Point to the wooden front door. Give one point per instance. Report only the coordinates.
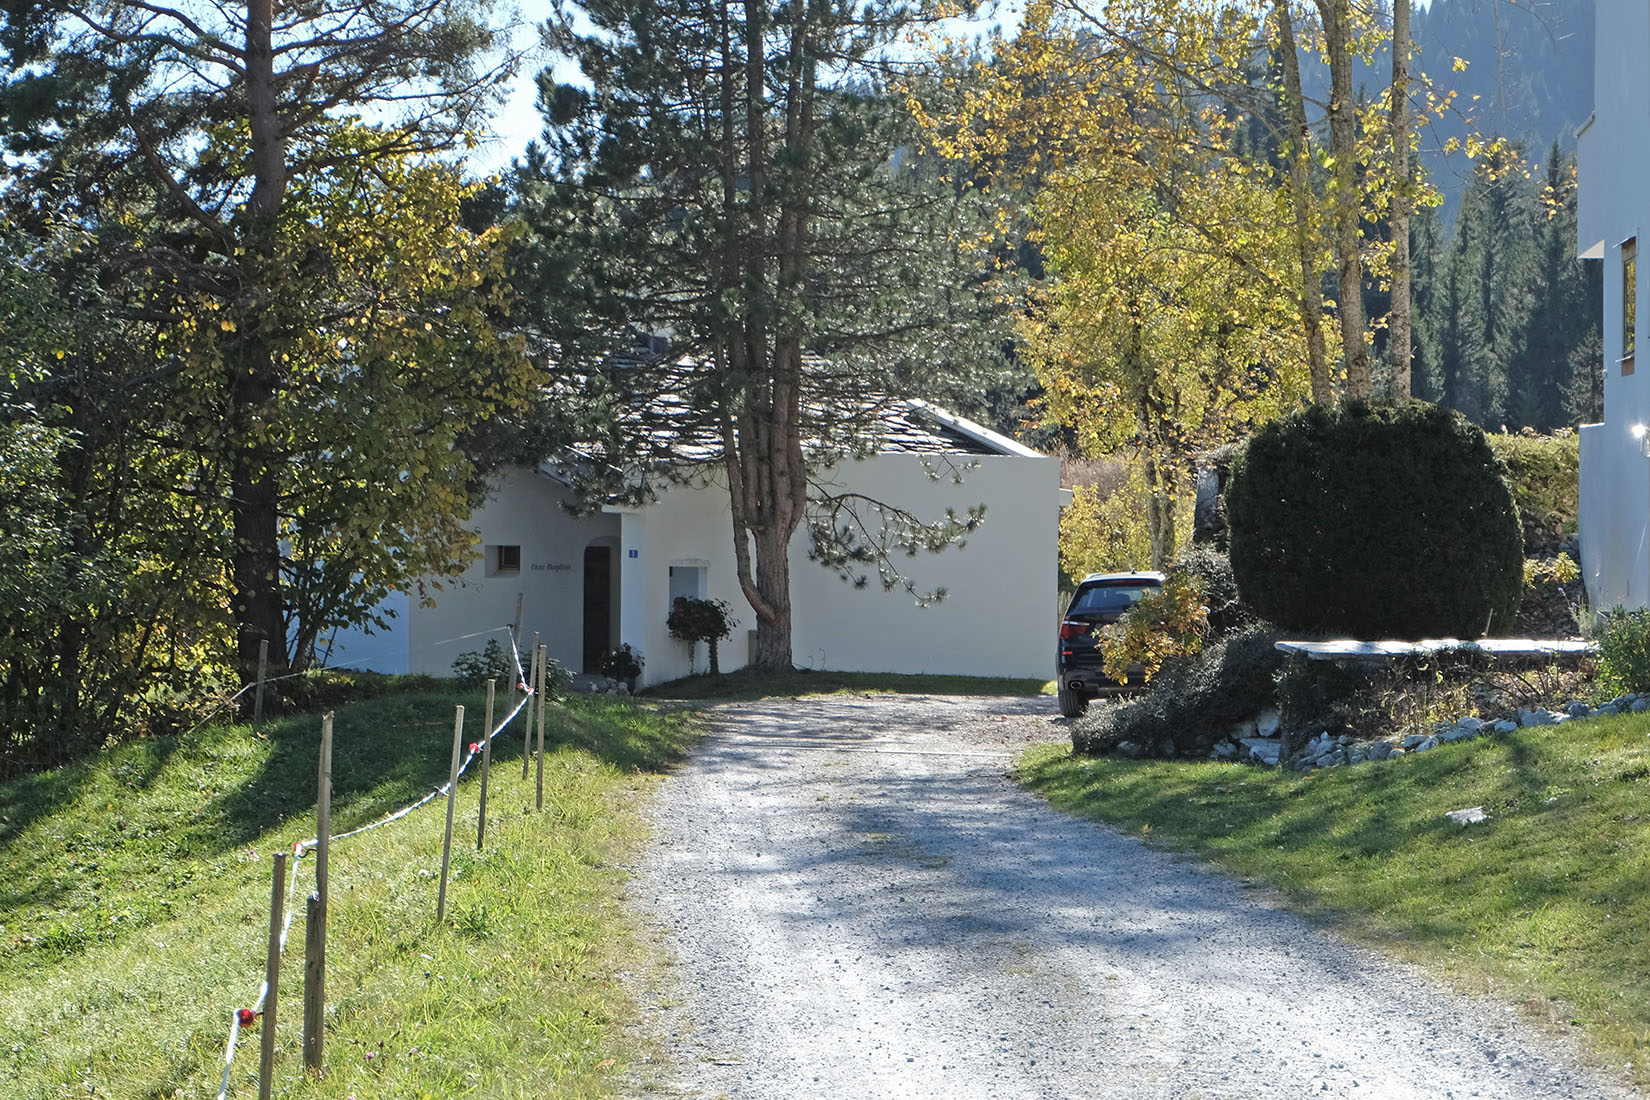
(598, 605)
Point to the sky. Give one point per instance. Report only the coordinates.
(519, 122)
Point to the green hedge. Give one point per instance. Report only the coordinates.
(1544, 472)
(1375, 521)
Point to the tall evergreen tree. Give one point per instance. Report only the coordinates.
(1507, 316)
(1564, 317)
(734, 185)
(1487, 291)
(1426, 250)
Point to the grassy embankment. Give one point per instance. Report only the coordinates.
(748, 684)
(134, 901)
(1547, 903)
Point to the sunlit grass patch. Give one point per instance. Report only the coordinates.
(135, 890)
(1546, 903)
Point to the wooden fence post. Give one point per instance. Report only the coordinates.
(315, 964)
(447, 845)
(263, 669)
(543, 696)
(486, 765)
(527, 717)
(272, 975)
(315, 926)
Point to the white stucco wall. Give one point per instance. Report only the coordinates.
(526, 510)
(381, 650)
(996, 621)
(1000, 614)
(1614, 206)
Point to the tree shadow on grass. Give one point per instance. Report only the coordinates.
(393, 751)
(41, 797)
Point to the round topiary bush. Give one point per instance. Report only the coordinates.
(1375, 521)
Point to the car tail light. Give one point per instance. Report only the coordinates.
(1070, 630)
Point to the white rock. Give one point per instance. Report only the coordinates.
(1267, 723)
(1504, 726)
(1472, 815)
(1640, 704)
(1265, 750)
(1470, 723)
(1414, 739)
(1576, 708)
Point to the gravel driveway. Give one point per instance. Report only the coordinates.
(861, 905)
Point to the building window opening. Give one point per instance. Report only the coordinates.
(687, 581)
(1629, 302)
(503, 560)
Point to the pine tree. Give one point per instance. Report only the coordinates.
(734, 186)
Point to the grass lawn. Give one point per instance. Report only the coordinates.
(1547, 903)
(134, 901)
(748, 684)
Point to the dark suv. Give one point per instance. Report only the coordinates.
(1101, 598)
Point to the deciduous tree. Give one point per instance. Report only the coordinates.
(194, 127)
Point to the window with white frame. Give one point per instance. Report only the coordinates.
(1629, 301)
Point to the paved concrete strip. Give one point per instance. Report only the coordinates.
(910, 924)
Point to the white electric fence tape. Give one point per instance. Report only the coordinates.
(304, 847)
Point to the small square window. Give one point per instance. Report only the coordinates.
(503, 559)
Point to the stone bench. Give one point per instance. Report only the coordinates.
(1347, 649)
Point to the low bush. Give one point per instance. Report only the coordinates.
(475, 668)
(1163, 625)
(557, 679)
(1192, 703)
(1380, 699)
(1624, 650)
(1555, 600)
(1376, 521)
(1213, 570)
(1544, 473)
(328, 688)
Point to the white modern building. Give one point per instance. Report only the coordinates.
(587, 584)
(1613, 155)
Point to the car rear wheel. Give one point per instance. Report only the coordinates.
(1072, 703)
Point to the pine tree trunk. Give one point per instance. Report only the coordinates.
(773, 582)
(1299, 152)
(255, 560)
(1398, 324)
(762, 442)
(255, 557)
(1343, 142)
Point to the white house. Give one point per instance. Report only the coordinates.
(587, 584)
(1613, 155)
